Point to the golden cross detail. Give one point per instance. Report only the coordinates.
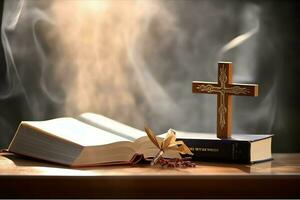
(224, 88)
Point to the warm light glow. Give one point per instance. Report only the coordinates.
(94, 5)
(94, 39)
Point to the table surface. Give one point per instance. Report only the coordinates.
(29, 178)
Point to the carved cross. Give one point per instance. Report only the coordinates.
(224, 88)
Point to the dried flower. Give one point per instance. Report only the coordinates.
(169, 143)
(176, 162)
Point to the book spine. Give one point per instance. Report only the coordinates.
(219, 150)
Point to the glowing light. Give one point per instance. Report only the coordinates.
(94, 5)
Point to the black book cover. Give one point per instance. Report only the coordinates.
(219, 150)
(207, 147)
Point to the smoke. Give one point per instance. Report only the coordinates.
(133, 61)
(11, 72)
(249, 18)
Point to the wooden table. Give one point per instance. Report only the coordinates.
(25, 178)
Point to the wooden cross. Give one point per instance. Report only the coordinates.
(224, 88)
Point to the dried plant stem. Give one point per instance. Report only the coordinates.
(157, 157)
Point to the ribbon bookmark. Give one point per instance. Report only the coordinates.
(169, 143)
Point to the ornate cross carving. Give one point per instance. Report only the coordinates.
(224, 88)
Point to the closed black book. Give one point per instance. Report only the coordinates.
(241, 148)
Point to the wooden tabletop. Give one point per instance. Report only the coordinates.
(27, 178)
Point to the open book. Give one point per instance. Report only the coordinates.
(93, 139)
(89, 140)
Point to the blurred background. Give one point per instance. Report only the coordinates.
(134, 61)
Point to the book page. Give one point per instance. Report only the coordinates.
(111, 125)
(76, 131)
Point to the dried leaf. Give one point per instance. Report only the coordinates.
(173, 141)
(166, 142)
(169, 143)
(152, 137)
(184, 149)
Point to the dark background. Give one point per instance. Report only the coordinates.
(281, 25)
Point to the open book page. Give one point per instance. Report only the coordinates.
(112, 126)
(75, 131)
